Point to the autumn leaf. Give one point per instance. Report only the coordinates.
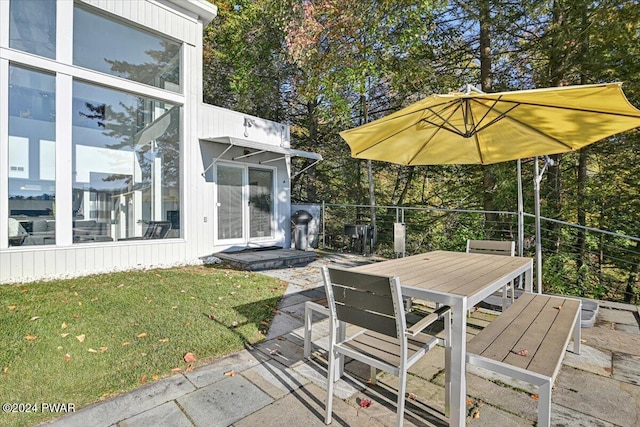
(176, 370)
(24, 291)
(12, 307)
(92, 350)
(163, 340)
(523, 352)
(189, 368)
(476, 414)
(64, 335)
(126, 343)
(274, 351)
(64, 325)
(67, 357)
(155, 377)
(81, 337)
(30, 337)
(189, 358)
(143, 379)
(365, 403)
(535, 396)
(558, 307)
(34, 318)
(103, 349)
(230, 373)
(411, 396)
(142, 335)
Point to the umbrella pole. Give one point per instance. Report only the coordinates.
(520, 212)
(536, 186)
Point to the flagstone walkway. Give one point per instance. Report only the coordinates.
(273, 384)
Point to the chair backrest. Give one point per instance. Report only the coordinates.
(370, 301)
(491, 247)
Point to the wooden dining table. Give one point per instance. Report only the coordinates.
(459, 280)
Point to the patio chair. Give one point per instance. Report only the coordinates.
(495, 247)
(387, 343)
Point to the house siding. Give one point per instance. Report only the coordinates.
(199, 122)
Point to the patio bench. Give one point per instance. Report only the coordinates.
(528, 341)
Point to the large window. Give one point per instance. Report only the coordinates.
(32, 26)
(31, 160)
(126, 166)
(111, 47)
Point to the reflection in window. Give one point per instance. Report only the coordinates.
(230, 213)
(111, 47)
(126, 166)
(32, 26)
(31, 158)
(260, 202)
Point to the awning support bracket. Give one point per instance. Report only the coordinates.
(215, 160)
(310, 166)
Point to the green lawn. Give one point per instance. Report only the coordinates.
(82, 340)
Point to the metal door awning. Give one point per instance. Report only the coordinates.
(259, 148)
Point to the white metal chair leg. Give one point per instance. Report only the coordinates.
(373, 375)
(402, 389)
(308, 313)
(330, 381)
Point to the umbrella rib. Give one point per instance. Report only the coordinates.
(445, 121)
(384, 139)
(523, 124)
(438, 128)
(560, 107)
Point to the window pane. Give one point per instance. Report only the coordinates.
(229, 180)
(111, 47)
(126, 166)
(260, 202)
(31, 157)
(32, 26)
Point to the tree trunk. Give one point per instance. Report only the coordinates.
(372, 194)
(581, 238)
(629, 294)
(489, 179)
(313, 139)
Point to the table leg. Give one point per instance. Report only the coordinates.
(528, 281)
(458, 364)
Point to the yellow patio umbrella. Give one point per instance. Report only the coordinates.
(472, 127)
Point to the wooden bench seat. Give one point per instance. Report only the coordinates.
(528, 341)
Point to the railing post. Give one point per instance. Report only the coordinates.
(324, 229)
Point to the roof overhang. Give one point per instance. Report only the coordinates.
(202, 8)
(259, 148)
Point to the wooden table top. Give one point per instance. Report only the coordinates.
(456, 273)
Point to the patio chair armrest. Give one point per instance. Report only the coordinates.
(427, 320)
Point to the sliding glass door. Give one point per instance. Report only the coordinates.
(245, 204)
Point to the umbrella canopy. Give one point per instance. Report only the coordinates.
(472, 127)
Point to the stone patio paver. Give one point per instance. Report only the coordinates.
(224, 402)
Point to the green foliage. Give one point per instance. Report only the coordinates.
(325, 66)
